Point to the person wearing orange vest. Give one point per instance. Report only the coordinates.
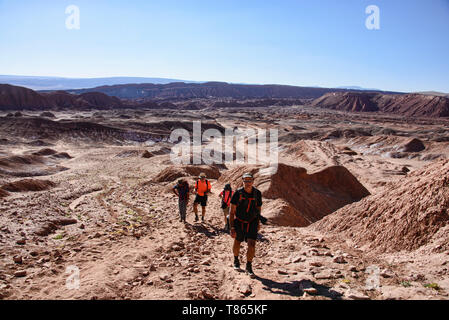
(202, 188)
(226, 196)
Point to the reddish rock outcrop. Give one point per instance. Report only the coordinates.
(18, 98)
(174, 172)
(414, 145)
(301, 198)
(405, 216)
(412, 105)
(348, 101)
(28, 185)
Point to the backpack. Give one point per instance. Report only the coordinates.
(224, 205)
(245, 214)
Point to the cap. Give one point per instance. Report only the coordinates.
(202, 175)
(247, 175)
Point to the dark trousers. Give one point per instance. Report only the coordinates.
(182, 209)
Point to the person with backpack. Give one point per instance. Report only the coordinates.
(202, 188)
(226, 196)
(181, 189)
(244, 219)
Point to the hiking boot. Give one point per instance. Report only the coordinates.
(236, 263)
(249, 269)
(202, 218)
(196, 217)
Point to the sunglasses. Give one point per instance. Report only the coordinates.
(247, 181)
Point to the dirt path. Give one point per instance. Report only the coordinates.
(133, 246)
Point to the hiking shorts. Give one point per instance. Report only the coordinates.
(201, 199)
(226, 211)
(244, 232)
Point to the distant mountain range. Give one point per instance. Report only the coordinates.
(358, 88)
(181, 90)
(181, 95)
(40, 83)
(58, 83)
(434, 93)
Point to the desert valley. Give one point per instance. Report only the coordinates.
(357, 209)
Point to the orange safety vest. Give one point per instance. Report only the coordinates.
(202, 187)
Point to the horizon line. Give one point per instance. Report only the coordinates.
(175, 80)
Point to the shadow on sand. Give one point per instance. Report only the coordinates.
(296, 288)
(209, 231)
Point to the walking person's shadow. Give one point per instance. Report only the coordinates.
(209, 231)
(296, 288)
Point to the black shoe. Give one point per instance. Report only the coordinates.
(236, 263)
(202, 218)
(249, 269)
(196, 217)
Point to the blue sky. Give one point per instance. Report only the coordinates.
(308, 43)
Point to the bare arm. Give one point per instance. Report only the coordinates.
(259, 209)
(231, 220)
(232, 215)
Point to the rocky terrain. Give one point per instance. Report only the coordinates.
(358, 208)
(411, 105)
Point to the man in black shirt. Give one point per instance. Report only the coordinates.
(244, 219)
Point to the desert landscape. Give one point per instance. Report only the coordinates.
(358, 208)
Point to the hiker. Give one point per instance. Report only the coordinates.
(246, 206)
(226, 196)
(181, 189)
(202, 188)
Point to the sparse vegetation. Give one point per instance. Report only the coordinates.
(432, 285)
(59, 237)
